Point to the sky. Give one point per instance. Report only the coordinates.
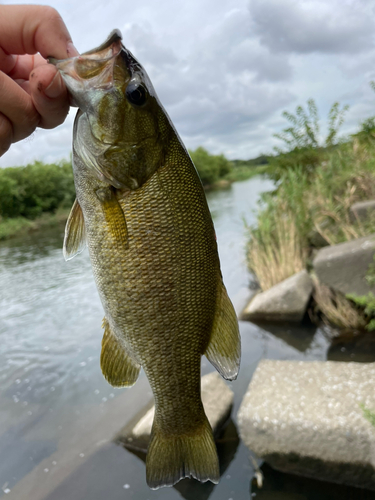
(225, 70)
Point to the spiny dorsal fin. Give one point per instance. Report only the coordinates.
(224, 348)
(75, 232)
(119, 369)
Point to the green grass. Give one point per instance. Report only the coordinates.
(11, 227)
(318, 202)
(20, 225)
(244, 172)
(368, 414)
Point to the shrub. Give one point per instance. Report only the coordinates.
(303, 148)
(29, 191)
(210, 168)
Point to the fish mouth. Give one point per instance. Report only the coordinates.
(93, 68)
(113, 40)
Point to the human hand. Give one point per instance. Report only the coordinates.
(32, 92)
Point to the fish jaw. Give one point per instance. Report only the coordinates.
(91, 70)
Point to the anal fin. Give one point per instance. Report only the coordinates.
(75, 232)
(118, 367)
(224, 348)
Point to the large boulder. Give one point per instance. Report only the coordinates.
(217, 400)
(286, 301)
(343, 267)
(362, 210)
(307, 418)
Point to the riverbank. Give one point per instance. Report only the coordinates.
(12, 223)
(237, 174)
(311, 209)
(17, 226)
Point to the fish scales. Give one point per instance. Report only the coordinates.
(154, 286)
(141, 207)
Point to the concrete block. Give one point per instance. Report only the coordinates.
(305, 418)
(286, 301)
(362, 211)
(343, 267)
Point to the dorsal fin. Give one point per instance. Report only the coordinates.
(75, 232)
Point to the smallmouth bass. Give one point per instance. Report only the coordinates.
(142, 211)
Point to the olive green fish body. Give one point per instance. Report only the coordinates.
(142, 210)
(159, 291)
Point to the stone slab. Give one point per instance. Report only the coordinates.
(286, 301)
(217, 400)
(362, 210)
(305, 418)
(343, 267)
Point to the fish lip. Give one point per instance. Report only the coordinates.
(104, 54)
(114, 37)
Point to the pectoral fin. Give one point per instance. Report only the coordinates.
(224, 348)
(118, 367)
(114, 216)
(75, 232)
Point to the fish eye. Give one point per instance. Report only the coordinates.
(136, 93)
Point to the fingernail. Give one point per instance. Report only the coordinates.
(55, 88)
(71, 50)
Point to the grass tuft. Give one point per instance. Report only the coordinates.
(275, 253)
(336, 309)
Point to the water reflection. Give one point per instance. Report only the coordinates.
(56, 405)
(280, 486)
(227, 443)
(359, 348)
(298, 336)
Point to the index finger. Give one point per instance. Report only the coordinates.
(28, 29)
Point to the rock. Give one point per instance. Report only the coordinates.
(316, 239)
(305, 418)
(362, 210)
(286, 301)
(343, 267)
(217, 400)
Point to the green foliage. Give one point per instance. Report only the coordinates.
(368, 414)
(10, 227)
(301, 138)
(319, 203)
(306, 158)
(304, 129)
(335, 121)
(211, 168)
(244, 172)
(367, 302)
(254, 162)
(30, 191)
(366, 134)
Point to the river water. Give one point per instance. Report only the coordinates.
(58, 416)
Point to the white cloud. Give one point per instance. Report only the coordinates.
(305, 26)
(225, 69)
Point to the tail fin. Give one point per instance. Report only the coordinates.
(171, 458)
